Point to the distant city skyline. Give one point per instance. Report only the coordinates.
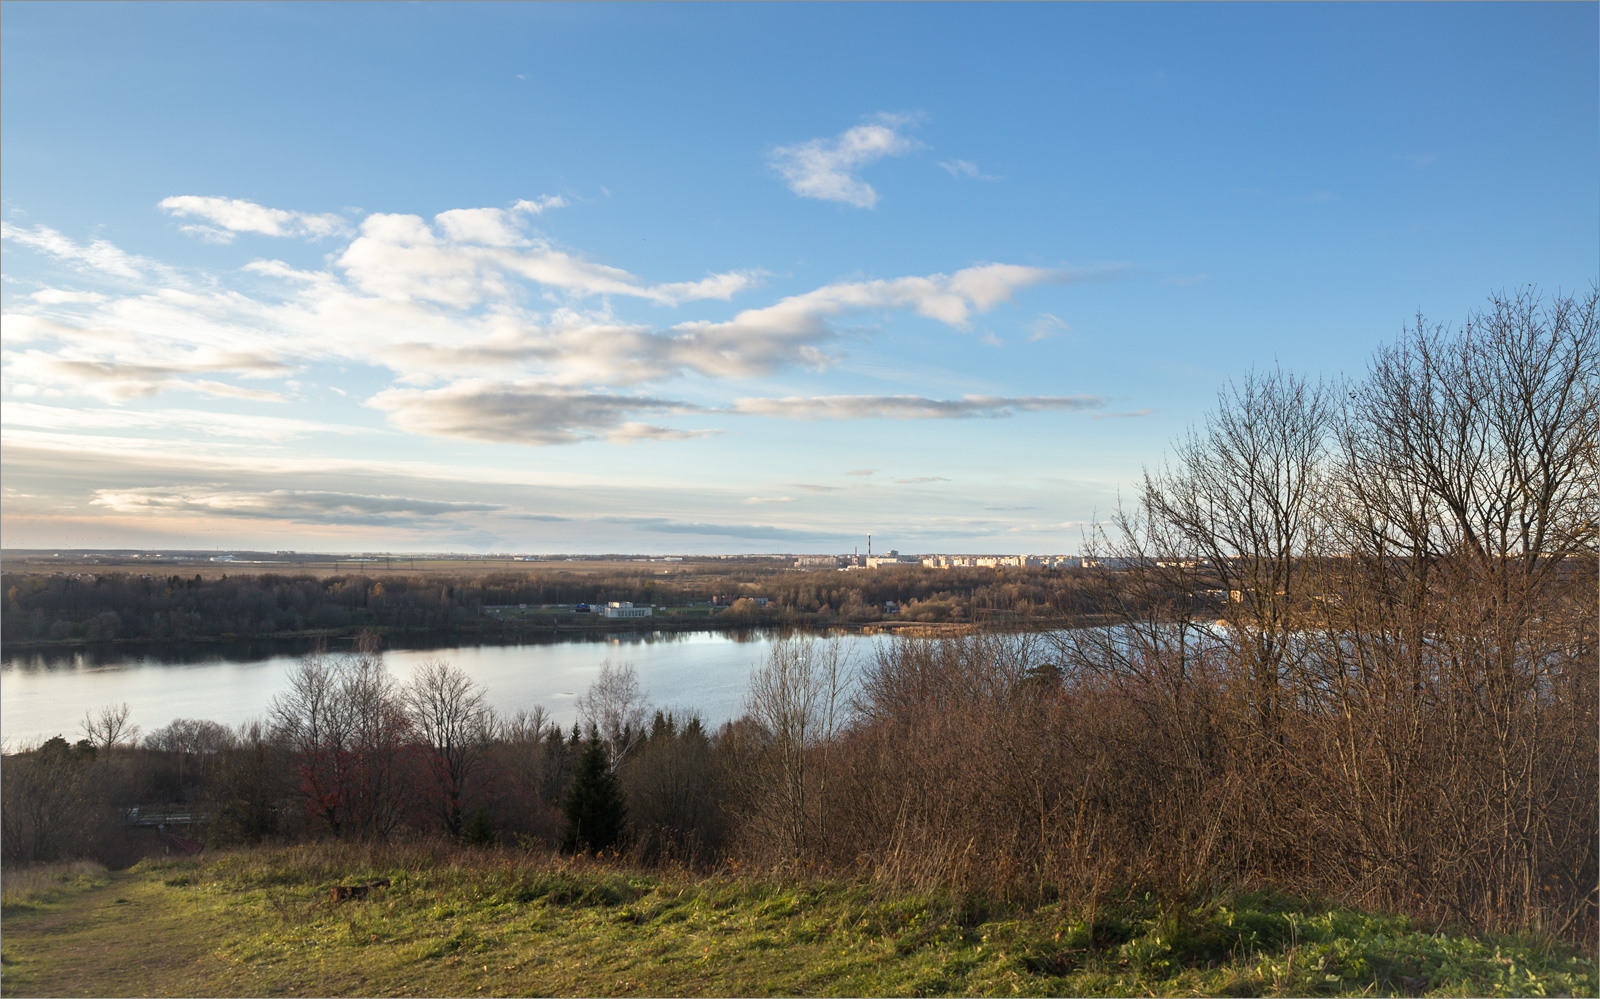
(667, 279)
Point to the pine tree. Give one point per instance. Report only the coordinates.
(595, 811)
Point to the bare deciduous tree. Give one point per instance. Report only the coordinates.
(384, 740)
(109, 727)
(1468, 495)
(799, 699)
(313, 718)
(1241, 503)
(526, 726)
(193, 743)
(345, 723)
(450, 715)
(615, 706)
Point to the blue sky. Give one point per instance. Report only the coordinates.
(550, 278)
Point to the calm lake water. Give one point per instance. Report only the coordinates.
(45, 692)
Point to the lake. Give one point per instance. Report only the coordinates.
(44, 692)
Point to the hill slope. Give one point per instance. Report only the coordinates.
(498, 924)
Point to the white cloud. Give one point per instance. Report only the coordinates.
(406, 295)
(541, 204)
(58, 296)
(494, 226)
(965, 169)
(526, 413)
(481, 254)
(484, 226)
(718, 286)
(1047, 325)
(909, 407)
(628, 433)
(206, 422)
(100, 256)
(227, 217)
(1124, 416)
(22, 327)
(756, 340)
(310, 506)
(825, 169)
(487, 331)
(117, 381)
(226, 391)
(794, 331)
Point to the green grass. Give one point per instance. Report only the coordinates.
(499, 924)
(36, 887)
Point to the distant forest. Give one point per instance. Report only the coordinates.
(160, 608)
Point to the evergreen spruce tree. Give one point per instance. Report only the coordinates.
(594, 807)
(479, 830)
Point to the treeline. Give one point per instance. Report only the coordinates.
(1395, 700)
(155, 608)
(348, 752)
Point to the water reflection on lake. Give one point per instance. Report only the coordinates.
(44, 692)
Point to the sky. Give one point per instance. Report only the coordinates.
(678, 279)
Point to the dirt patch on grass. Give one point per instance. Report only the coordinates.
(123, 936)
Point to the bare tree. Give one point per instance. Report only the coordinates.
(109, 727)
(314, 720)
(526, 726)
(193, 743)
(52, 802)
(1468, 487)
(451, 716)
(1228, 528)
(615, 705)
(344, 720)
(799, 699)
(1242, 501)
(383, 737)
(535, 753)
(250, 780)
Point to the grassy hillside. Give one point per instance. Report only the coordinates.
(490, 923)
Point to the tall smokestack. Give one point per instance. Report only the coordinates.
(869, 546)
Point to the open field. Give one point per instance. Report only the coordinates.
(190, 563)
(488, 923)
